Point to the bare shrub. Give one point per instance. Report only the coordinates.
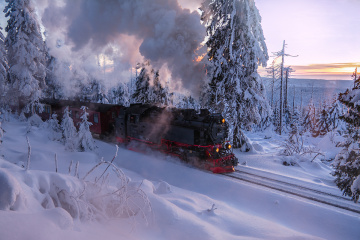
(294, 145)
(98, 200)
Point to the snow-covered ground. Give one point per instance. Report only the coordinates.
(186, 203)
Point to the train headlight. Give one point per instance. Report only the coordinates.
(223, 120)
(228, 146)
(217, 149)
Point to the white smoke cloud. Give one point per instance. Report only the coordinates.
(193, 5)
(128, 31)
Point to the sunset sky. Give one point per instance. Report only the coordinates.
(323, 33)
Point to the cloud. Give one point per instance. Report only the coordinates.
(190, 4)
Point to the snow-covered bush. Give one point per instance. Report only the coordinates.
(35, 120)
(295, 145)
(102, 201)
(54, 127)
(90, 198)
(5, 114)
(85, 139)
(69, 131)
(21, 116)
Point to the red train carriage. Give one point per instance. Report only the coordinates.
(199, 139)
(102, 116)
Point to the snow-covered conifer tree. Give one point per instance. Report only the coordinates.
(99, 93)
(310, 119)
(323, 123)
(93, 92)
(85, 139)
(125, 94)
(119, 94)
(236, 48)
(347, 162)
(54, 127)
(142, 90)
(3, 68)
(335, 112)
(296, 119)
(158, 93)
(25, 48)
(69, 131)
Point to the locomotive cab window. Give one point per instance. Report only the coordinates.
(96, 118)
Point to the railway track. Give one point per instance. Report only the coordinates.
(305, 192)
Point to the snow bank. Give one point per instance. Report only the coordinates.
(11, 196)
(163, 188)
(33, 190)
(328, 145)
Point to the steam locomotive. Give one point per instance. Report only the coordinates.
(198, 139)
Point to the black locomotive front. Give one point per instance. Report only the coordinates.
(199, 139)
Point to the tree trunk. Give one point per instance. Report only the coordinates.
(281, 87)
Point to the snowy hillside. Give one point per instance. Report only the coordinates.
(185, 203)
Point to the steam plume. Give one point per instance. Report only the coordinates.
(169, 35)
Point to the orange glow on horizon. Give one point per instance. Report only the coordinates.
(346, 70)
(327, 71)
